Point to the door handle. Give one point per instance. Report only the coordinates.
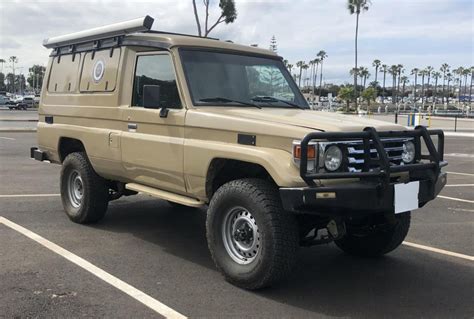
(132, 127)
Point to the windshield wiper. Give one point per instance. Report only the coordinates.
(271, 99)
(226, 100)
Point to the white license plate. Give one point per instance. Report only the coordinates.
(406, 197)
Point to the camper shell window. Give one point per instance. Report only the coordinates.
(99, 70)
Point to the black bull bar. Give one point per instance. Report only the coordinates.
(368, 135)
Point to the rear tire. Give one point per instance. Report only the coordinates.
(379, 241)
(266, 252)
(84, 194)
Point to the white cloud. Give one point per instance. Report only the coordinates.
(410, 32)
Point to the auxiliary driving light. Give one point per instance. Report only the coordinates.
(408, 154)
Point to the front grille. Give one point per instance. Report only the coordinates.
(355, 154)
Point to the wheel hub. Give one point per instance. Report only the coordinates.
(75, 189)
(244, 233)
(241, 235)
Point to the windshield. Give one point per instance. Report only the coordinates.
(218, 78)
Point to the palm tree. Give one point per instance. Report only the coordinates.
(459, 72)
(2, 61)
(394, 72)
(449, 78)
(300, 64)
(321, 55)
(376, 65)
(364, 74)
(311, 70)
(384, 69)
(404, 80)
(400, 70)
(429, 70)
(414, 72)
(305, 68)
(289, 66)
(466, 72)
(436, 75)
(361, 69)
(445, 69)
(423, 74)
(315, 74)
(354, 71)
(13, 59)
(356, 7)
(470, 87)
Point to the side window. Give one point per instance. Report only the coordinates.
(64, 73)
(156, 70)
(99, 71)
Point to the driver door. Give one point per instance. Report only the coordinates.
(152, 145)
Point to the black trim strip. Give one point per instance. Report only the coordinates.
(110, 43)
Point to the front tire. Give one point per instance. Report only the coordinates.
(252, 240)
(379, 240)
(84, 194)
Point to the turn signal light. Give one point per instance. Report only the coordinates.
(311, 151)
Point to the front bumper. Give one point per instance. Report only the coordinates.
(374, 188)
(353, 199)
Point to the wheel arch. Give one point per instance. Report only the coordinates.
(68, 145)
(224, 170)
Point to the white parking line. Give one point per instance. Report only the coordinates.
(459, 185)
(29, 195)
(457, 199)
(133, 292)
(439, 251)
(7, 138)
(456, 173)
(459, 155)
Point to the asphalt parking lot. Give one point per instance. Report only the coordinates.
(162, 252)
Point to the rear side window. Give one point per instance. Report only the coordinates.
(64, 73)
(156, 70)
(99, 72)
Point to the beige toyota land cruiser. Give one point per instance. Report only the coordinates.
(201, 122)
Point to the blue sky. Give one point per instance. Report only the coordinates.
(409, 32)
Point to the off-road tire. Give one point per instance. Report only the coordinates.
(95, 198)
(277, 229)
(379, 242)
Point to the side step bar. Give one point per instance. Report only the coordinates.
(172, 197)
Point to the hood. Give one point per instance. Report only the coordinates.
(322, 121)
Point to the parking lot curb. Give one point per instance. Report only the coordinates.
(18, 120)
(458, 134)
(17, 130)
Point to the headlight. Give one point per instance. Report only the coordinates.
(332, 158)
(408, 154)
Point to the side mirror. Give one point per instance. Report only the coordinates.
(151, 99)
(151, 96)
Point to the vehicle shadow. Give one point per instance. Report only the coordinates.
(406, 283)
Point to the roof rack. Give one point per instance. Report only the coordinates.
(181, 34)
(113, 31)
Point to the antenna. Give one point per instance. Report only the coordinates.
(108, 31)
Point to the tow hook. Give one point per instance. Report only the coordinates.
(336, 230)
